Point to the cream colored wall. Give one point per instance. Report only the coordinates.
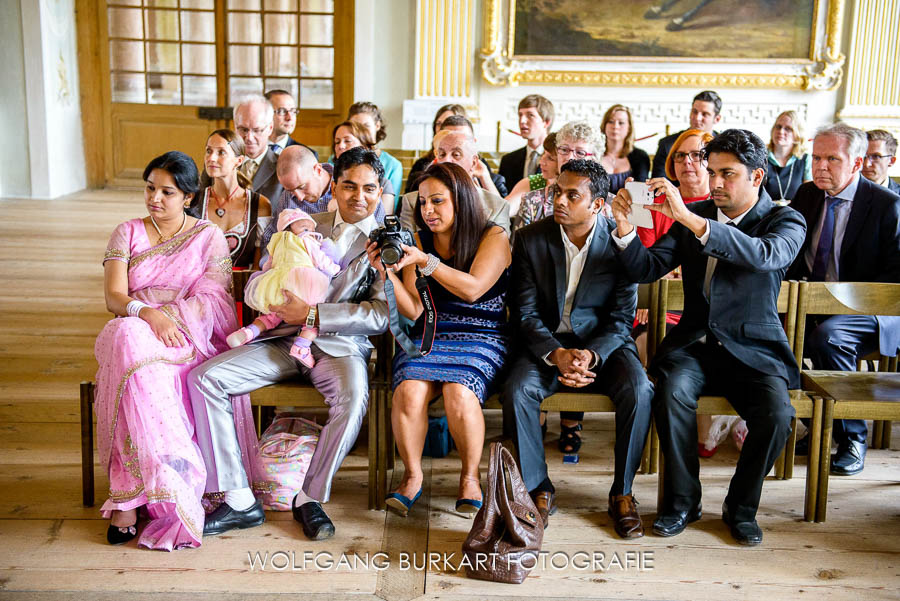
(15, 173)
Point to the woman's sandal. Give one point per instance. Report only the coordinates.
(119, 535)
(569, 442)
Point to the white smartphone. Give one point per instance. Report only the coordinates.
(640, 195)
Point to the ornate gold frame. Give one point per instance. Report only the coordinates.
(823, 72)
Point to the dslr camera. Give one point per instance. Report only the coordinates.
(390, 237)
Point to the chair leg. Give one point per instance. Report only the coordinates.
(877, 434)
(813, 457)
(654, 448)
(789, 451)
(886, 434)
(825, 458)
(257, 419)
(779, 466)
(374, 458)
(87, 444)
(661, 474)
(385, 445)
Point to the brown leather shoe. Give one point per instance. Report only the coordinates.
(626, 519)
(546, 505)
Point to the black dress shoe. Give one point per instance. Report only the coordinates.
(224, 518)
(116, 535)
(745, 533)
(849, 459)
(315, 522)
(670, 524)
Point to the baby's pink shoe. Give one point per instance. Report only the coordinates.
(304, 355)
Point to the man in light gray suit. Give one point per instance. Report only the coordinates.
(354, 309)
(459, 148)
(253, 122)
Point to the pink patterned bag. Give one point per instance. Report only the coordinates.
(286, 448)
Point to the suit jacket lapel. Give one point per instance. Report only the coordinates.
(357, 248)
(858, 211)
(599, 243)
(557, 253)
(266, 169)
(755, 215)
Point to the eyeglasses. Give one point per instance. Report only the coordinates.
(579, 154)
(243, 131)
(695, 155)
(285, 112)
(877, 158)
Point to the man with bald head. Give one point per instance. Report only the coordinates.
(459, 147)
(306, 185)
(253, 118)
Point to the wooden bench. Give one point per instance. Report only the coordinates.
(847, 394)
(671, 298)
(293, 393)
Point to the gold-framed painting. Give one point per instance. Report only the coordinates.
(759, 43)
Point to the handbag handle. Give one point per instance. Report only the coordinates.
(294, 441)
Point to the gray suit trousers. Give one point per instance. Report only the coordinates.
(343, 381)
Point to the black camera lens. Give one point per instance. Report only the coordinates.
(391, 253)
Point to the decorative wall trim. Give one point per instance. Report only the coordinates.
(825, 72)
(873, 80)
(444, 48)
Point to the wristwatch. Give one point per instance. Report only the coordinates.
(311, 317)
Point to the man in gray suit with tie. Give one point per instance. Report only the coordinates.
(253, 122)
(355, 308)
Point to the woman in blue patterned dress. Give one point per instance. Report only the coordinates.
(465, 259)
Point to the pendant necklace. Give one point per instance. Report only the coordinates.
(161, 238)
(220, 210)
(783, 200)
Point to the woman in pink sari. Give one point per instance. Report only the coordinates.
(168, 278)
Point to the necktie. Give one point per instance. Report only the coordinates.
(249, 169)
(710, 268)
(826, 241)
(531, 166)
(276, 148)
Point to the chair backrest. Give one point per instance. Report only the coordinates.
(671, 298)
(843, 298)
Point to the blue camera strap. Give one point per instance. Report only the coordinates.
(430, 318)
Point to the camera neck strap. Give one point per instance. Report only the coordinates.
(430, 317)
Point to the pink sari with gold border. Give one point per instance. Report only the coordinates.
(145, 424)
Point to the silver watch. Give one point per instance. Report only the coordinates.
(311, 317)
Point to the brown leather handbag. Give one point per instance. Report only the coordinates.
(505, 539)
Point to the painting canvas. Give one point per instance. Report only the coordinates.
(656, 29)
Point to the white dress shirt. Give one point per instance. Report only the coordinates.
(347, 233)
(575, 260)
(841, 217)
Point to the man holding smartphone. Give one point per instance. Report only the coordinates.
(734, 250)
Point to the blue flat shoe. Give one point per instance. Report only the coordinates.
(400, 503)
(468, 507)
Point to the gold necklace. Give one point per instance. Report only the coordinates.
(161, 237)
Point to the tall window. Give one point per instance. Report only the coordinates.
(165, 51)
(162, 51)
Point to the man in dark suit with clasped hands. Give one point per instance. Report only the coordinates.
(853, 236)
(734, 250)
(573, 308)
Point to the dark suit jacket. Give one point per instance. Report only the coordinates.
(264, 180)
(742, 311)
(604, 304)
(640, 164)
(870, 250)
(512, 165)
(662, 152)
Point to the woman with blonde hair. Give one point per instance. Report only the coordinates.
(788, 166)
(621, 158)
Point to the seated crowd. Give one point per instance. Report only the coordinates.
(535, 291)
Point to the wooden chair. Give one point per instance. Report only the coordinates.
(671, 298)
(295, 393)
(847, 395)
(591, 402)
(292, 393)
